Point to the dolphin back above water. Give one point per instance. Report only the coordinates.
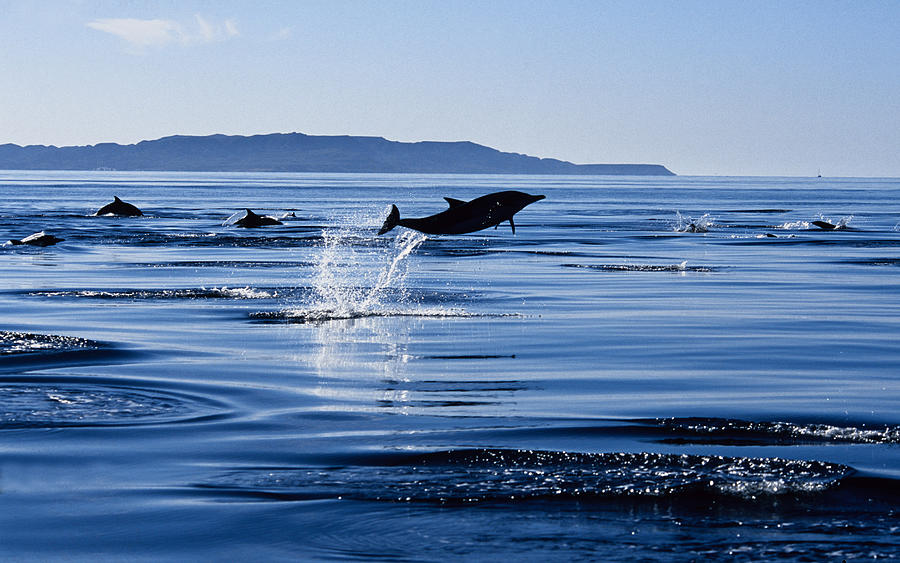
(826, 226)
(253, 220)
(37, 239)
(466, 216)
(119, 208)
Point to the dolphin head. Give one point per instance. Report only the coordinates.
(522, 196)
(521, 199)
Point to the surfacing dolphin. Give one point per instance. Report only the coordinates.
(466, 216)
(119, 208)
(37, 239)
(251, 219)
(826, 226)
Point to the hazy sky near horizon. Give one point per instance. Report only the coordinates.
(710, 87)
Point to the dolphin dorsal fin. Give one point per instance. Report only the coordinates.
(454, 202)
(250, 212)
(116, 198)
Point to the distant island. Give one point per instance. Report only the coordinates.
(296, 152)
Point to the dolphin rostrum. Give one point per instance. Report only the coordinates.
(119, 208)
(37, 239)
(251, 219)
(466, 216)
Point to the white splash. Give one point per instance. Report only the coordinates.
(688, 225)
(793, 225)
(841, 223)
(246, 292)
(353, 282)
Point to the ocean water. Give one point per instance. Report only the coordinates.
(650, 369)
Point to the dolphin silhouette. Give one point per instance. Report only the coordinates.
(466, 216)
(251, 219)
(37, 239)
(826, 226)
(119, 208)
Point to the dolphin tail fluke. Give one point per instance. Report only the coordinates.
(393, 219)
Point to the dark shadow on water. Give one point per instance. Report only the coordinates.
(514, 477)
(65, 358)
(887, 261)
(21, 351)
(455, 386)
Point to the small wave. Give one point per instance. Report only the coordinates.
(216, 240)
(735, 432)
(874, 262)
(465, 476)
(830, 241)
(222, 264)
(457, 386)
(61, 404)
(681, 267)
(758, 211)
(793, 225)
(201, 293)
(13, 343)
(301, 316)
(456, 252)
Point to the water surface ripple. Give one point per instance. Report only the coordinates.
(649, 369)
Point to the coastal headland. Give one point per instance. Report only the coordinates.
(297, 152)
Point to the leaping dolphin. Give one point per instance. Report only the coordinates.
(119, 208)
(466, 216)
(251, 219)
(37, 239)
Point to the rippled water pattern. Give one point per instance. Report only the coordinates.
(650, 369)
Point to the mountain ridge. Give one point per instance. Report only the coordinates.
(298, 152)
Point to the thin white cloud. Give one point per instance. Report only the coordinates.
(282, 34)
(207, 33)
(231, 28)
(141, 33)
(159, 33)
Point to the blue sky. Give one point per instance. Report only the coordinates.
(717, 87)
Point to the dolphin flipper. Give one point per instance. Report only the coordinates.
(512, 225)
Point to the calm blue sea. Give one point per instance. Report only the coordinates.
(650, 369)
